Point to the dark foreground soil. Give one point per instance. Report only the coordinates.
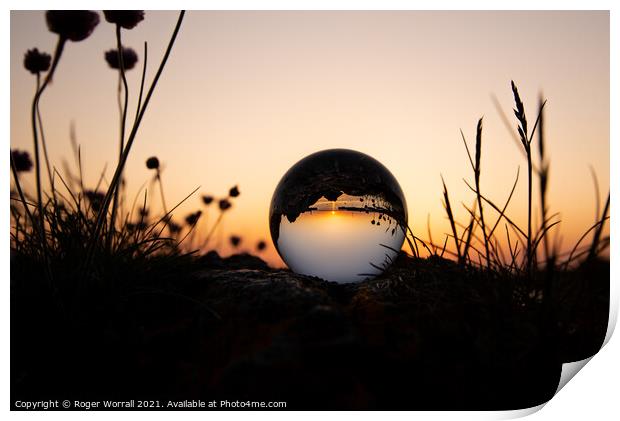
(428, 334)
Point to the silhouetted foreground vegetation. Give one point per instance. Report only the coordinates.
(113, 303)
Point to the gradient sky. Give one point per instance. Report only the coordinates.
(245, 95)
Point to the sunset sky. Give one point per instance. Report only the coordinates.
(245, 95)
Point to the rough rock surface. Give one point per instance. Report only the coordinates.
(428, 334)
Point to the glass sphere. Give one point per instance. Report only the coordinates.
(339, 215)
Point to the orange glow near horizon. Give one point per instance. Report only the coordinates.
(245, 95)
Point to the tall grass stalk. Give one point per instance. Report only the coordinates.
(477, 180)
(543, 177)
(598, 232)
(476, 167)
(448, 208)
(522, 130)
(469, 230)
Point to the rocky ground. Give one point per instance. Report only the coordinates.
(428, 334)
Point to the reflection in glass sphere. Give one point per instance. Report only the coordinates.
(338, 214)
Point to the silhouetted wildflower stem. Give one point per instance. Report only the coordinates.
(119, 103)
(161, 191)
(118, 197)
(115, 179)
(224, 205)
(153, 164)
(123, 109)
(142, 80)
(44, 145)
(35, 106)
(213, 228)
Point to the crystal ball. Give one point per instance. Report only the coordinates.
(338, 214)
